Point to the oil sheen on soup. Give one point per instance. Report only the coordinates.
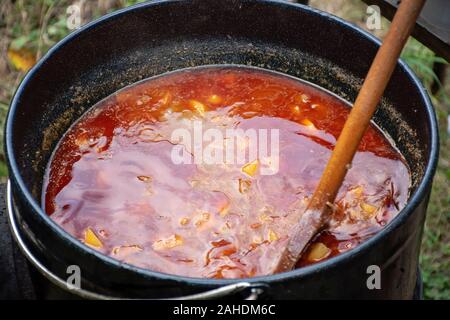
(203, 172)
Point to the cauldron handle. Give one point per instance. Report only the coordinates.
(254, 289)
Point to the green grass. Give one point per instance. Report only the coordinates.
(38, 25)
(435, 251)
(435, 255)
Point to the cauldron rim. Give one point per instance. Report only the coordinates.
(413, 201)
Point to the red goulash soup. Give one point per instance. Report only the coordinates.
(112, 182)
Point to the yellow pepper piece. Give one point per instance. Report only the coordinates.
(318, 252)
(368, 208)
(91, 239)
(272, 236)
(251, 168)
(358, 191)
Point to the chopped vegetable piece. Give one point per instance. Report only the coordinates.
(308, 123)
(258, 239)
(91, 239)
(358, 191)
(144, 178)
(202, 219)
(198, 106)
(271, 235)
(305, 98)
(145, 98)
(194, 183)
(318, 252)
(244, 185)
(82, 142)
(124, 251)
(214, 99)
(168, 243)
(166, 99)
(103, 233)
(296, 109)
(265, 218)
(354, 214)
(142, 100)
(251, 168)
(184, 221)
(368, 208)
(223, 211)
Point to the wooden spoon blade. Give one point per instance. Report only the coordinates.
(317, 214)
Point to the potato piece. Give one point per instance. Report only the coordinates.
(91, 239)
(318, 252)
(251, 168)
(168, 243)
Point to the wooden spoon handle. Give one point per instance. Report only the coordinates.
(318, 211)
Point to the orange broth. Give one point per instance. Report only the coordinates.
(112, 182)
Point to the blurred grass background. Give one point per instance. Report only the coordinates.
(28, 28)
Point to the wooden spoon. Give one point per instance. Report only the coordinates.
(319, 210)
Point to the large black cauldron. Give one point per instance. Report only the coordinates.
(156, 37)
